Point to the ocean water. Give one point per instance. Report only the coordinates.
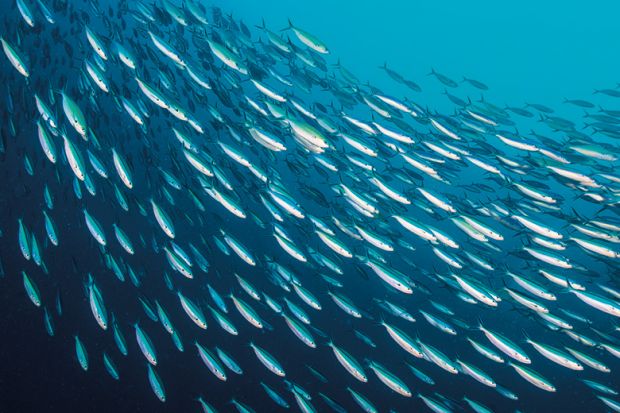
(525, 53)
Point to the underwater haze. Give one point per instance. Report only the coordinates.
(240, 206)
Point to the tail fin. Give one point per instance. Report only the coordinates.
(262, 25)
(290, 26)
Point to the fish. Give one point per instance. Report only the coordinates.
(250, 174)
(14, 57)
(81, 353)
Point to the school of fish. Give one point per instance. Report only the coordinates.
(243, 180)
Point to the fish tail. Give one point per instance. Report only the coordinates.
(290, 26)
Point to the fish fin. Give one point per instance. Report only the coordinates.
(290, 26)
(262, 25)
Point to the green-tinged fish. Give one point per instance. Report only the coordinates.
(193, 311)
(156, 384)
(389, 379)
(349, 363)
(74, 115)
(146, 345)
(82, 355)
(211, 362)
(533, 377)
(505, 345)
(15, 58)
(268, 360)
(308, 39)
(31, 290)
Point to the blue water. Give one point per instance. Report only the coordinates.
(525, 52)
